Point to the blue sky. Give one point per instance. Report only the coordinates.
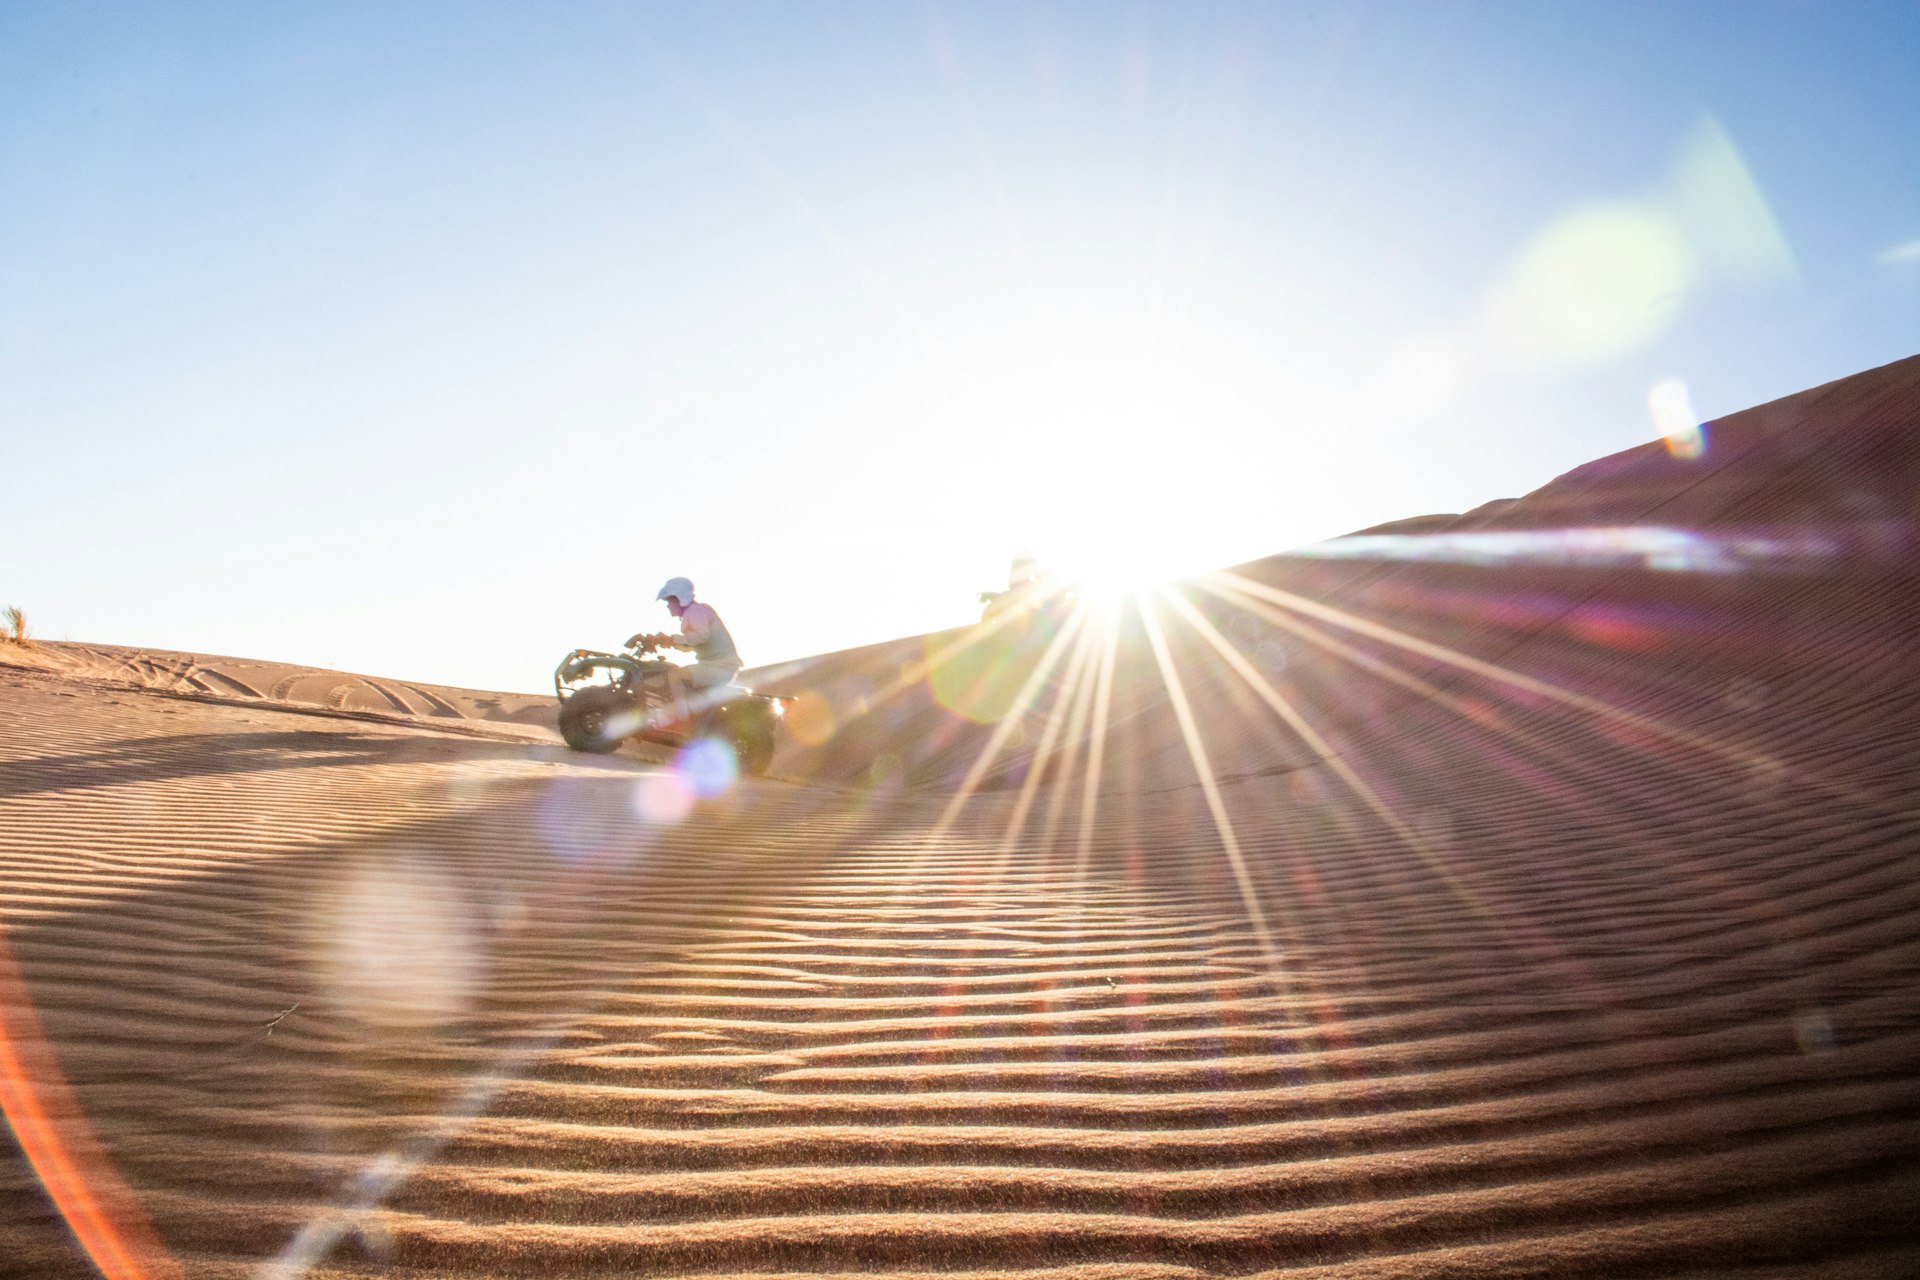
(424, 340)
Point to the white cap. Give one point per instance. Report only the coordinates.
(679, 589)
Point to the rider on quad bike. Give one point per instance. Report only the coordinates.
(716, 661)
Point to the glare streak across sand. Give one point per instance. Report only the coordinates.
(1077, 737)
(983, 632)
(1262, 687)
(1261, 599)
(1252, 594)
(1223, 825)
(1003, 732)
(1096, 746)
(1664, 550)
(1058, 716)
(1483, 903)
(103, 1216)
(387, 1173)
(1753, 904)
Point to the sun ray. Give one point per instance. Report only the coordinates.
(1076, 738)
(1466, 894)
(1250, 594)
(1475, 899)
(1057, 718)
(1100, 704)
(947, 57)
(1322, 1012)
(803, 206)
(1735, 896)
(1056, 649)
(1328, 756)
(1235, 585)
(1210, 787)
(1097, 743)
(977, 634)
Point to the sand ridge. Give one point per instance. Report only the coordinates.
(1620, 982)
(287, 686)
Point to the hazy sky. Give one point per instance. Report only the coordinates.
(426, 340)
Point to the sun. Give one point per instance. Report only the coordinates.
(1117, 442)
(1112, 573)
(1106, 588)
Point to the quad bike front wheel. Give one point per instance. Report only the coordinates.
(593, 718)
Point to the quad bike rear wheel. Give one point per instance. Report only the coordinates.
(746, 727)
(590, 718)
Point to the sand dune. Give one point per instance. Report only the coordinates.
(1577, 935)
(285, 685)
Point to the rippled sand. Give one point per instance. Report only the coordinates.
(1582, 941)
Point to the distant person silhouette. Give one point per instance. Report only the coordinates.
(1023, 578)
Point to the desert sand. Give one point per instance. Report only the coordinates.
(1474, 900)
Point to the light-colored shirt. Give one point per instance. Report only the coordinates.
(712, 643)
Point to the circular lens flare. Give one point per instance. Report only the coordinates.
(395, 944)
(707, 766)
(663, 798)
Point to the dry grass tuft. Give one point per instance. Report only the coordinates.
(15, 621)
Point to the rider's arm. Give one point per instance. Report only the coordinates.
(696, 627)
(659, 639)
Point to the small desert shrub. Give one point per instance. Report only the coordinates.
(16, 624)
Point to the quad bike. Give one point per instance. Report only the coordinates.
(606, 698)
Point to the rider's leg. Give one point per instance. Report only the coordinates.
(690, 689)
(705, 679)
(675, 704)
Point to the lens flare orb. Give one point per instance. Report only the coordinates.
(395, 945)
(663, 798)
(707, 766)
